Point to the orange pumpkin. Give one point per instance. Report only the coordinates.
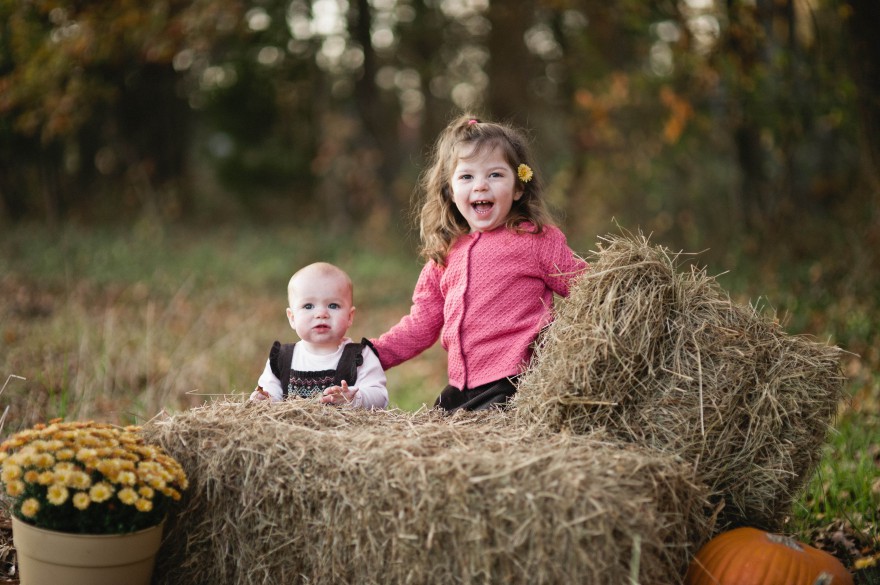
(748, 556)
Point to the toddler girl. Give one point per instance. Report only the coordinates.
(494, 259)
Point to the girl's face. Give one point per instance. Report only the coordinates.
(484, 187)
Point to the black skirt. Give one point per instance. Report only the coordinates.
(492, 395)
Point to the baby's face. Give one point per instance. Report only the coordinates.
(321, 311)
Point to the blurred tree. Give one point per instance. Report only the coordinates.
(780, 82)
(89, 90)
(708, 117)
(789, 108)
(862, 17)
(380, 115)
(511, 66)
(685, 118)
(255, 95)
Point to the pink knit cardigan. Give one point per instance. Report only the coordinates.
(487, 305)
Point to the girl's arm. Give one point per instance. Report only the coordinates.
(557, 261)
(419, 330)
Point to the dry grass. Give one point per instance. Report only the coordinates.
(297, 492)
(118, 325)
(661, 357)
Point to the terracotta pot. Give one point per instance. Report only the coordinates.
(46, 557)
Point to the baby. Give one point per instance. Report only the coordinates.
(324, 362)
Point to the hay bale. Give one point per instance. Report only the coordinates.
(297, 492)
(662, 357)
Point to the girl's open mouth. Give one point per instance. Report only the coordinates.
(482, 207)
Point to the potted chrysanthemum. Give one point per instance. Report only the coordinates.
(93, 481)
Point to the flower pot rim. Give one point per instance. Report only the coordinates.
(17, 520)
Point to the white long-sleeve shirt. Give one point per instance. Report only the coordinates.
(371, 380)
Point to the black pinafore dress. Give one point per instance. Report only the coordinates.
(297, 384)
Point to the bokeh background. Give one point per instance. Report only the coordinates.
(183, 148)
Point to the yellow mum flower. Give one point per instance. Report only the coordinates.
(10, 472)
(127, 496)
(81, 500)
(18, 440)
(64, 454)
(15, 488)
(172, 493)
(63, 475)
(134, 437)
(39, 445)
(31, 476)
(100, 492)
(26, 457)
(143, 505)
(150, 452)
(109, 467)
(46, 478)
(30, 507)
(524, 172)
(80, 480)
(54, 445)
(57, 494)
(66, 436)
(88, 442)
(126, 478)
(44, 460)
(146, 492)
(86, 454)
(156, 482)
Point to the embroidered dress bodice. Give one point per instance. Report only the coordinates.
(308, 384)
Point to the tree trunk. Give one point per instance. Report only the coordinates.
(755, 191)
(865, 59)
(510, 62)
(866, 74)
(380, 119)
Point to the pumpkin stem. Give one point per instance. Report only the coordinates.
(790, 543)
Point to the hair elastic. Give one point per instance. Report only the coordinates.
(472, 121)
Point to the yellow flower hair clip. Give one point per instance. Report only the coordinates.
(524, 172)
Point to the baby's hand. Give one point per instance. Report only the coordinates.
(339, 394)
(260, 394)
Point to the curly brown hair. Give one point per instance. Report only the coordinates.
(440, 222)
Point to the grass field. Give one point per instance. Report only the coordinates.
(122, 324)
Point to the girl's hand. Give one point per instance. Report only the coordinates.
(339, 394)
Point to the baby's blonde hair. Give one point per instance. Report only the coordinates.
(318, 269)
(440, 222)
